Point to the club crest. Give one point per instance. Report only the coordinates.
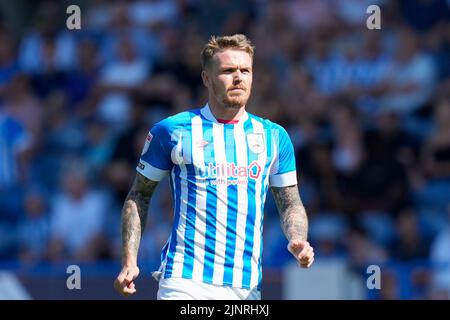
(147, 143)
(255, 142)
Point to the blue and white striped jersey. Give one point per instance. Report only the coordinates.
(219, 177)
(14, 139)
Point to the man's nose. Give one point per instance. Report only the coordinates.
(237, 76)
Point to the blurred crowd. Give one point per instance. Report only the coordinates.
(368, 112)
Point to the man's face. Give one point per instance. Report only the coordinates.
(229, 77)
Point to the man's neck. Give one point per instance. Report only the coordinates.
(224, 113)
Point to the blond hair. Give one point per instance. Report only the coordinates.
(217, 44)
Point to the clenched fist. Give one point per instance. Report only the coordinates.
(302, 251)
(124, 283)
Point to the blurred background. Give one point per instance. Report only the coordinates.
(368, 112)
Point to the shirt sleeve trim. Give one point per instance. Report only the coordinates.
(284, 179)
(151, 172)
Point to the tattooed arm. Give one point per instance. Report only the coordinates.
(294, 223)
(134, 217)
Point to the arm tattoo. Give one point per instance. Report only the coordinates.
(134, 216)
(294, 220)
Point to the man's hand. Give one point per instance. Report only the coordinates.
(134, 217)
(124, 283)
(302, 251)
(294, 223)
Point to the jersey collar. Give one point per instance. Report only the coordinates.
(206, 112)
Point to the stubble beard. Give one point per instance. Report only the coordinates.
(232, 102)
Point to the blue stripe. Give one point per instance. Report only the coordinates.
(7, 169)
(264, 190)
(173, 240)
(251, 213)
(232, 201)
(189, 234)
(211, 208)
(164, 251)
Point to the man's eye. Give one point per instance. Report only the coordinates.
(246, 71)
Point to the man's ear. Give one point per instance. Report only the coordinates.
(205, 78)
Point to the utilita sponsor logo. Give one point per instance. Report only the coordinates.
(230, 170)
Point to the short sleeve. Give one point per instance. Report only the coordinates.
(155, 162)
(283, 172)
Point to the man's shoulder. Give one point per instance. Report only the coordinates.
(177, 120)
(268, 124)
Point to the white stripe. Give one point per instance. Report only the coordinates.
(275, 141)
(257, 128)
(222, 205)
(241, 160)
(200, 202)
(179, 253)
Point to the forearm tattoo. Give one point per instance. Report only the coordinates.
(134, 216)
(294, 220)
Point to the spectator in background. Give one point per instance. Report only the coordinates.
(390, 286)
(8, 59)
(99, 146)
(118, 80)
(433, 193)
(152, 13)
(440, 259)
(15, 146)
(412, 77)
(371, 69)
(77, 219)
(398, 144)
(353, 12)
(45, 49)
(81, 82)
(436, 153)
(327, 230)
(98, 17)
(383, 179)
(301, 99)
(222, 16)
(34, 229)
(362, 251)
(320, 61)
(21, 102)
(310, 15)
(319, 165)
(175, 70)
(348, 149)
(347, 154)
(128, 147)
(409, 243)
(120, 25)
(49, 76)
